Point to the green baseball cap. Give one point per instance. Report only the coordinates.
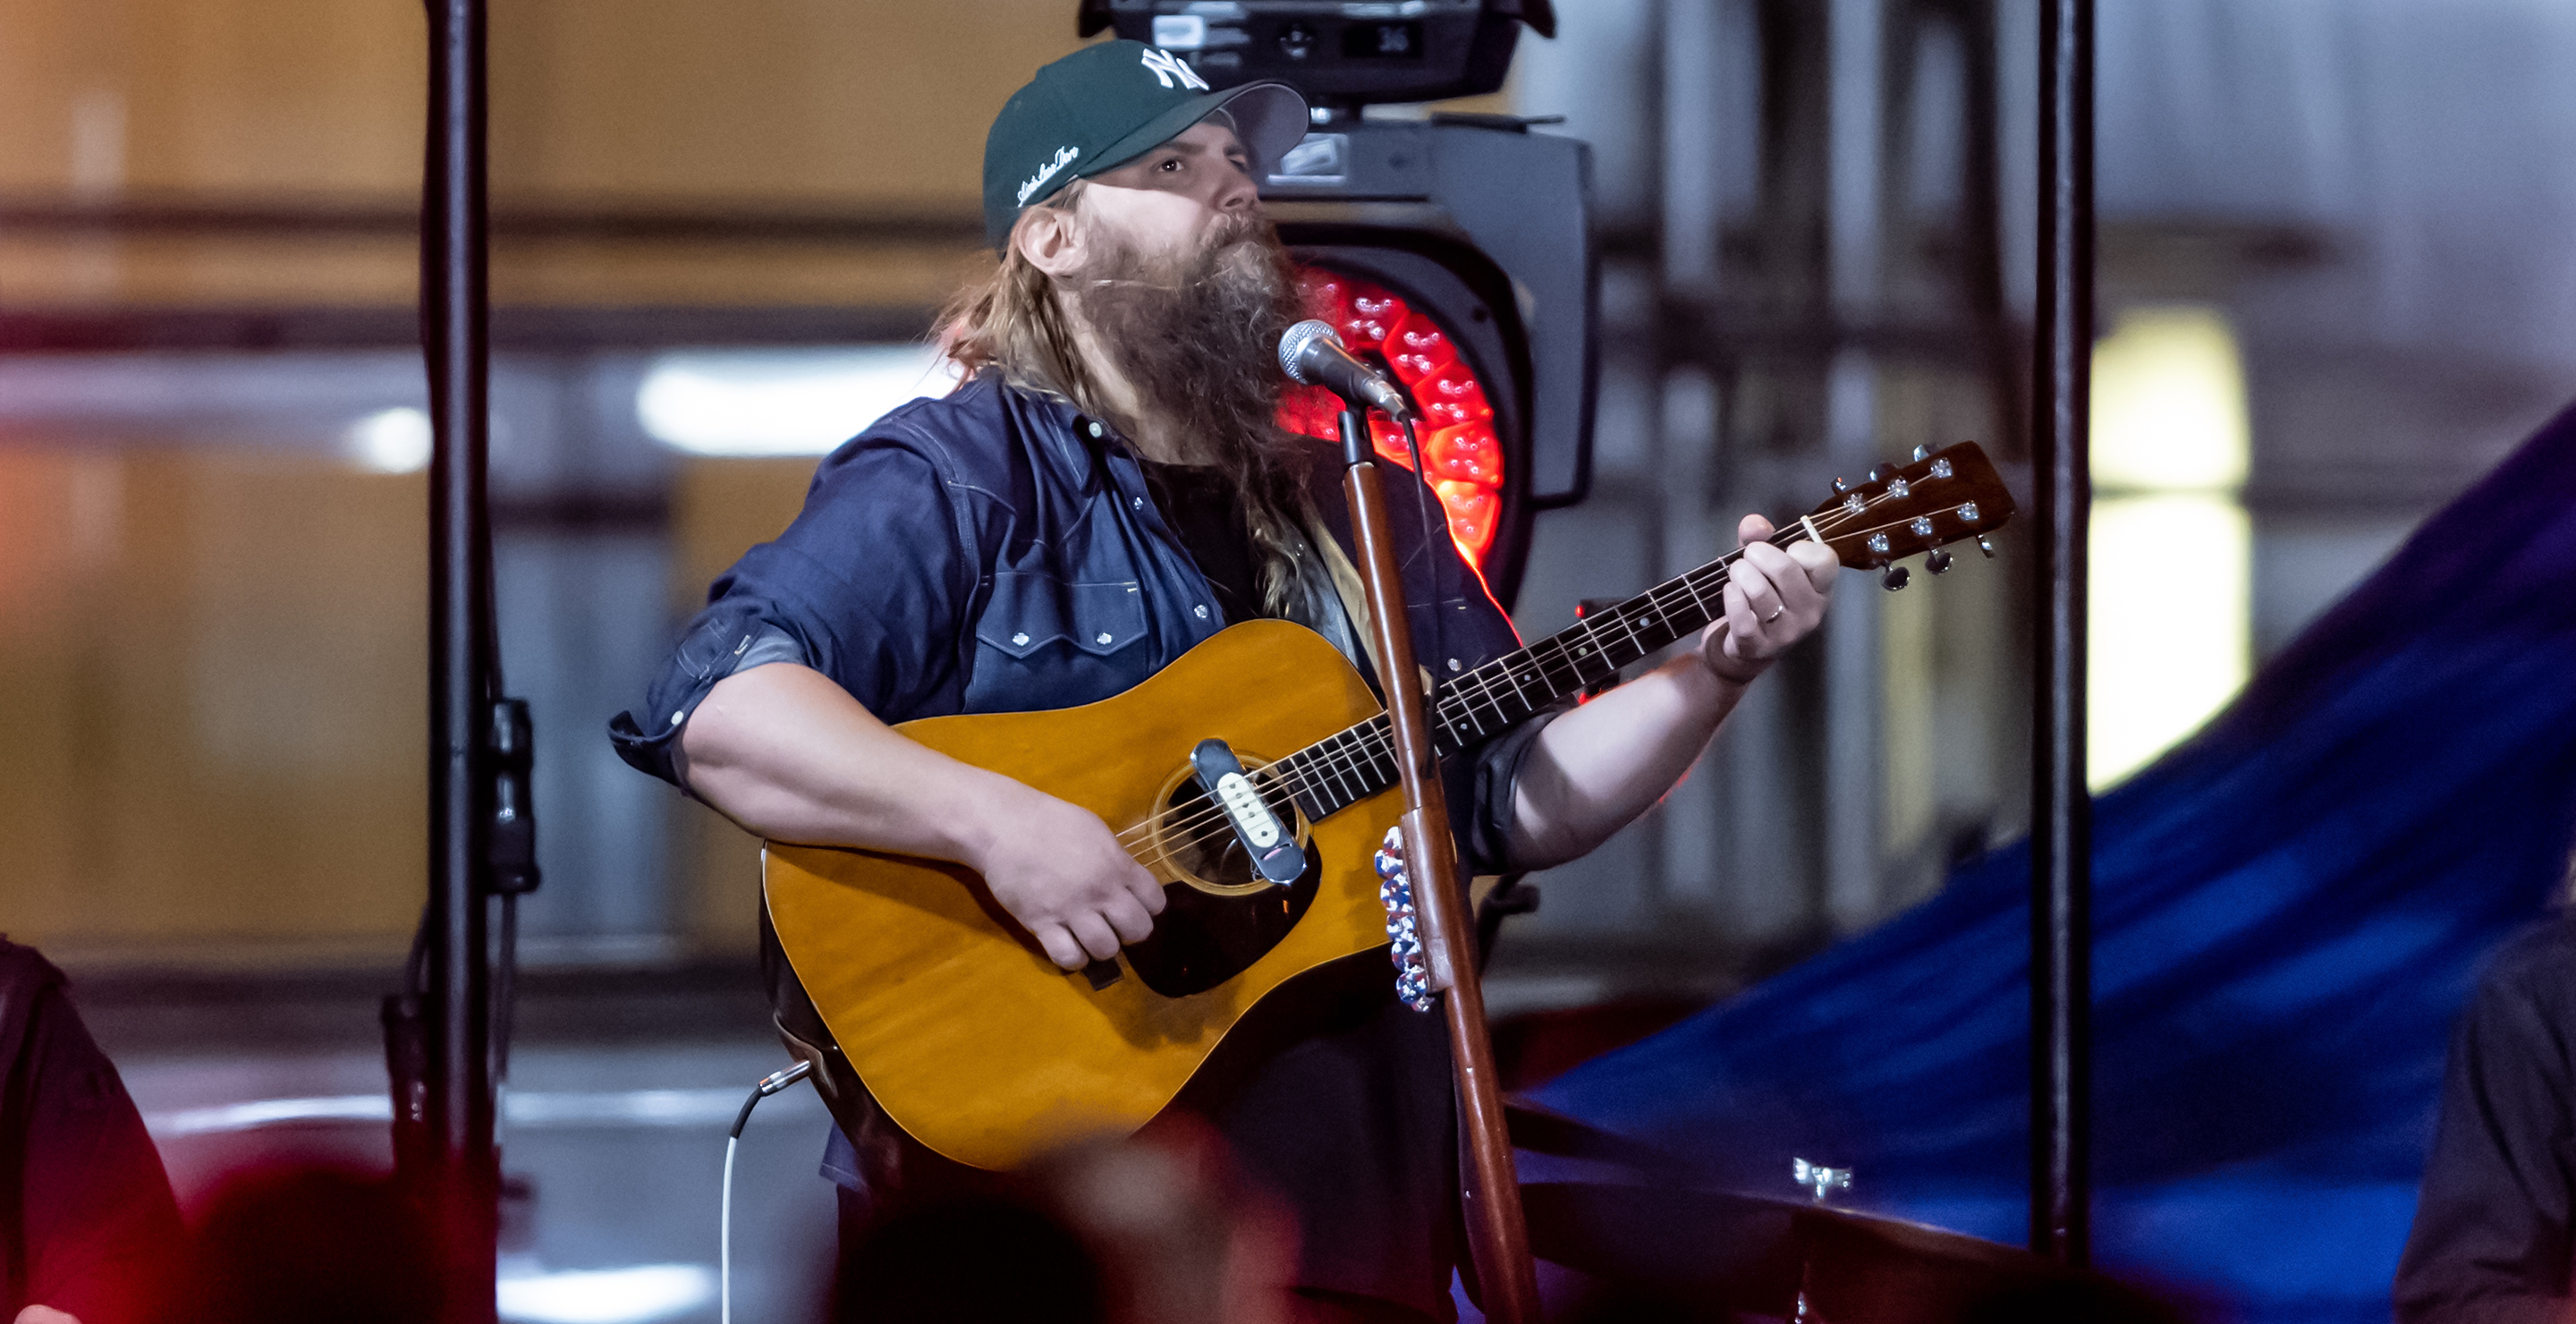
(1105, 105)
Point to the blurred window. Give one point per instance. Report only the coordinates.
(2171, 547)
(770, 402)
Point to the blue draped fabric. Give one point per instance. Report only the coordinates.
(2289, 912)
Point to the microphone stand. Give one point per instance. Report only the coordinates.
(1497, 1231)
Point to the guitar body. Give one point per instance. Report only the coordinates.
(971, 1039)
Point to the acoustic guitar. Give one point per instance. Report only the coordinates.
(1253, 777)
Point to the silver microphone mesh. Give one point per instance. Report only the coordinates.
(1292, 347)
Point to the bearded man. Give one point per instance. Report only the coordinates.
(1105, 489)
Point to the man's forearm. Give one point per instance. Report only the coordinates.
(789, 755)
(1592, 771)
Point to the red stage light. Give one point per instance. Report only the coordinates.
(1459, 448)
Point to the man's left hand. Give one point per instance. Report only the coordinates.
(1774, 598)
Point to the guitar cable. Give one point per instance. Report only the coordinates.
(769, 1084)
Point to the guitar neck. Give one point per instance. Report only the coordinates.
(1359, 761)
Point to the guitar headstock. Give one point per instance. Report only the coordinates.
(1940, 497)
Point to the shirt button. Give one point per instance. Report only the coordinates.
(1104, 638)
(1095, 432)
(1201, 609)
(1453, 664)
(1021, 639)
(677, 718)
(1137, 503)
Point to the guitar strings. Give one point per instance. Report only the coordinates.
(1366, 736)
(1371, 740)
(1628, 617)
(1370, 736)
(1370, 748)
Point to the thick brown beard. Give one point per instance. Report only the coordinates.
(1197, 337)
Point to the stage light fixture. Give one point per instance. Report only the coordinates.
(1460, 252)
(1461, 455)
(1342, 56)
(1457, 248)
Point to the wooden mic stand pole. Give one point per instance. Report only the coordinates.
(1494, 1220)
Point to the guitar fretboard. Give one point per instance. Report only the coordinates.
(1355, 763)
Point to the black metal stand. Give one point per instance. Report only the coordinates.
(2061, 836)
(442, 1030)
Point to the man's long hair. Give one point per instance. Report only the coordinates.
(1014, 322)
(1195, 336)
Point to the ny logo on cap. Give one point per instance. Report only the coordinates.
(1167, 66)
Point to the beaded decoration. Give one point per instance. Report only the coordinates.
(1395, 892)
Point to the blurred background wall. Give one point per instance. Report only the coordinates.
(2338, 250)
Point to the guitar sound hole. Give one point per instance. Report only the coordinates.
(1203, 938)
(1206, 847)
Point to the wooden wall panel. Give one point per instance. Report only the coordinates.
(222, 651)
(218, 653)
(743, 104)
(719, 509)
(760, 101)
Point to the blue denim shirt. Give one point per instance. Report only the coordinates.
(997, 551)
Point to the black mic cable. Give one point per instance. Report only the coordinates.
(769, 1084)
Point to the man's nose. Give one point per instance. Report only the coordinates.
(1239, 192)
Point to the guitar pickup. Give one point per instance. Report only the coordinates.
(1269, 843)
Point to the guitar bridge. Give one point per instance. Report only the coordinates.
(1269, 843)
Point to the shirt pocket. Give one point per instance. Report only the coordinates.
(1029, 613)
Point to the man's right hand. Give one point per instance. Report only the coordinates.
(787, 753)
(1063, 875)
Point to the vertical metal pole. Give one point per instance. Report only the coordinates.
(2061, 856)
(456, 315)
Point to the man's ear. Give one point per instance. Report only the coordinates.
(1051, 239)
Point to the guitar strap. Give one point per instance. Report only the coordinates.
(1354, 622)
(1354, 625)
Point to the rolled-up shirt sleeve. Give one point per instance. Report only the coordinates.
(870, 585)
(1485, 792)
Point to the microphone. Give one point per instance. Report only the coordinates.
(1312, 355)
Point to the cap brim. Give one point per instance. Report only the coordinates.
(1270, 118)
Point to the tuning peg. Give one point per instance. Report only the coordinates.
(1938, 561)
(1840, 486)
(1880, 473)
(1894, 579)
(1985, 546)
(1922, 452)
